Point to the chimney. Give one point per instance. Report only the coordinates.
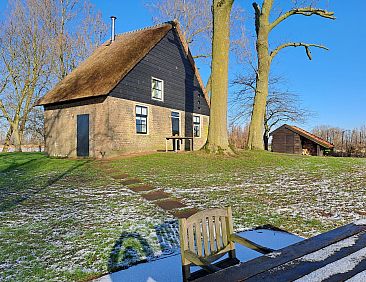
(113, 28)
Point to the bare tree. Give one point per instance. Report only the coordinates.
(238, 136)
(217, 141)
(263, 27)
(34, 130)
(195, 18)
(281, 106)
(41, 41)
(75, 29)
(23, 56)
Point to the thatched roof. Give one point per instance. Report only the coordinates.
(110, 63)
(307, 135)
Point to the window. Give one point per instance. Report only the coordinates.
(141, 120)
(175, 123)
(196, 126)
(157, 89)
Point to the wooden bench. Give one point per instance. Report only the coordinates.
(207, 236)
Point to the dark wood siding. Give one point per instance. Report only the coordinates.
(297, 144)
(286, 141)
(168, 62)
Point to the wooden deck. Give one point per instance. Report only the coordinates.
(337, 255)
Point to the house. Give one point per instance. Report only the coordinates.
(294, 140)
(128, 96)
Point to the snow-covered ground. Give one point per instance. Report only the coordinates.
(65, 225)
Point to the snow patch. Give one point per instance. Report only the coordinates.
(274, 254)
(361, 222)
(358, 277)
(343, 265)
(326, 252)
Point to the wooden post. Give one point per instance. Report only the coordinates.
(230, 228)
(317, 150)
(183, 248)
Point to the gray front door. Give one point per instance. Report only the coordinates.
(82, 146)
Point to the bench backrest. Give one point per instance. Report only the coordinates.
(206, 234)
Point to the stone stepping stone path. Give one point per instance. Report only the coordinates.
(160, 198)
(141, 188)
(130, 181)
(361, 212)
(156, 195)
(170, 204)
(120, 176)
(184, 213)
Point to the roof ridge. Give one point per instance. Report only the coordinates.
(148, 27)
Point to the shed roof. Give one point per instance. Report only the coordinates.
(111, 62)
(307, 135)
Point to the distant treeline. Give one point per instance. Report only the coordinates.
(347, 142)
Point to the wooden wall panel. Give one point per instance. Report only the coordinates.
(166, 61)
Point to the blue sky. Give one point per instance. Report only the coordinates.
(332, 84)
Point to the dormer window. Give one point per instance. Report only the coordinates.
(157, 89)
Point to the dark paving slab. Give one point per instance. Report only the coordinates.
(156, 195)
(184, 213)
(170, 204)
(141, 188)
(361, 212)
(131, 181)
(120, 176)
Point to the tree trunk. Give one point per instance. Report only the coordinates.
(266, 140)
(17, 139)
(217, 141)
(266, 132)
(7, 140)
(256, 130)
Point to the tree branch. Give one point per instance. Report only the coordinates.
(5, 113)
(306, 11)
(257, 10)
(202, 56)
(297, 44)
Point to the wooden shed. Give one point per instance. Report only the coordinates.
(294, 140)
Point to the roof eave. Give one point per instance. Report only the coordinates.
(308, 137)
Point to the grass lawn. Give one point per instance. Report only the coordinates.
(63, 220)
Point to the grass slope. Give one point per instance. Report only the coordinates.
(63, 220)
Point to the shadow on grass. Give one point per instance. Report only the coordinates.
(12, 161)
(27, 167)
(132, 248)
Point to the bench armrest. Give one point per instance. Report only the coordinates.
(200, 261)
(249, 244)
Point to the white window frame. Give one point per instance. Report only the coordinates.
(162, 89)
(171, 121)
(147, 119)
(200, 126)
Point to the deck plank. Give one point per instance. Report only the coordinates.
(300, 267)
(259, 265)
